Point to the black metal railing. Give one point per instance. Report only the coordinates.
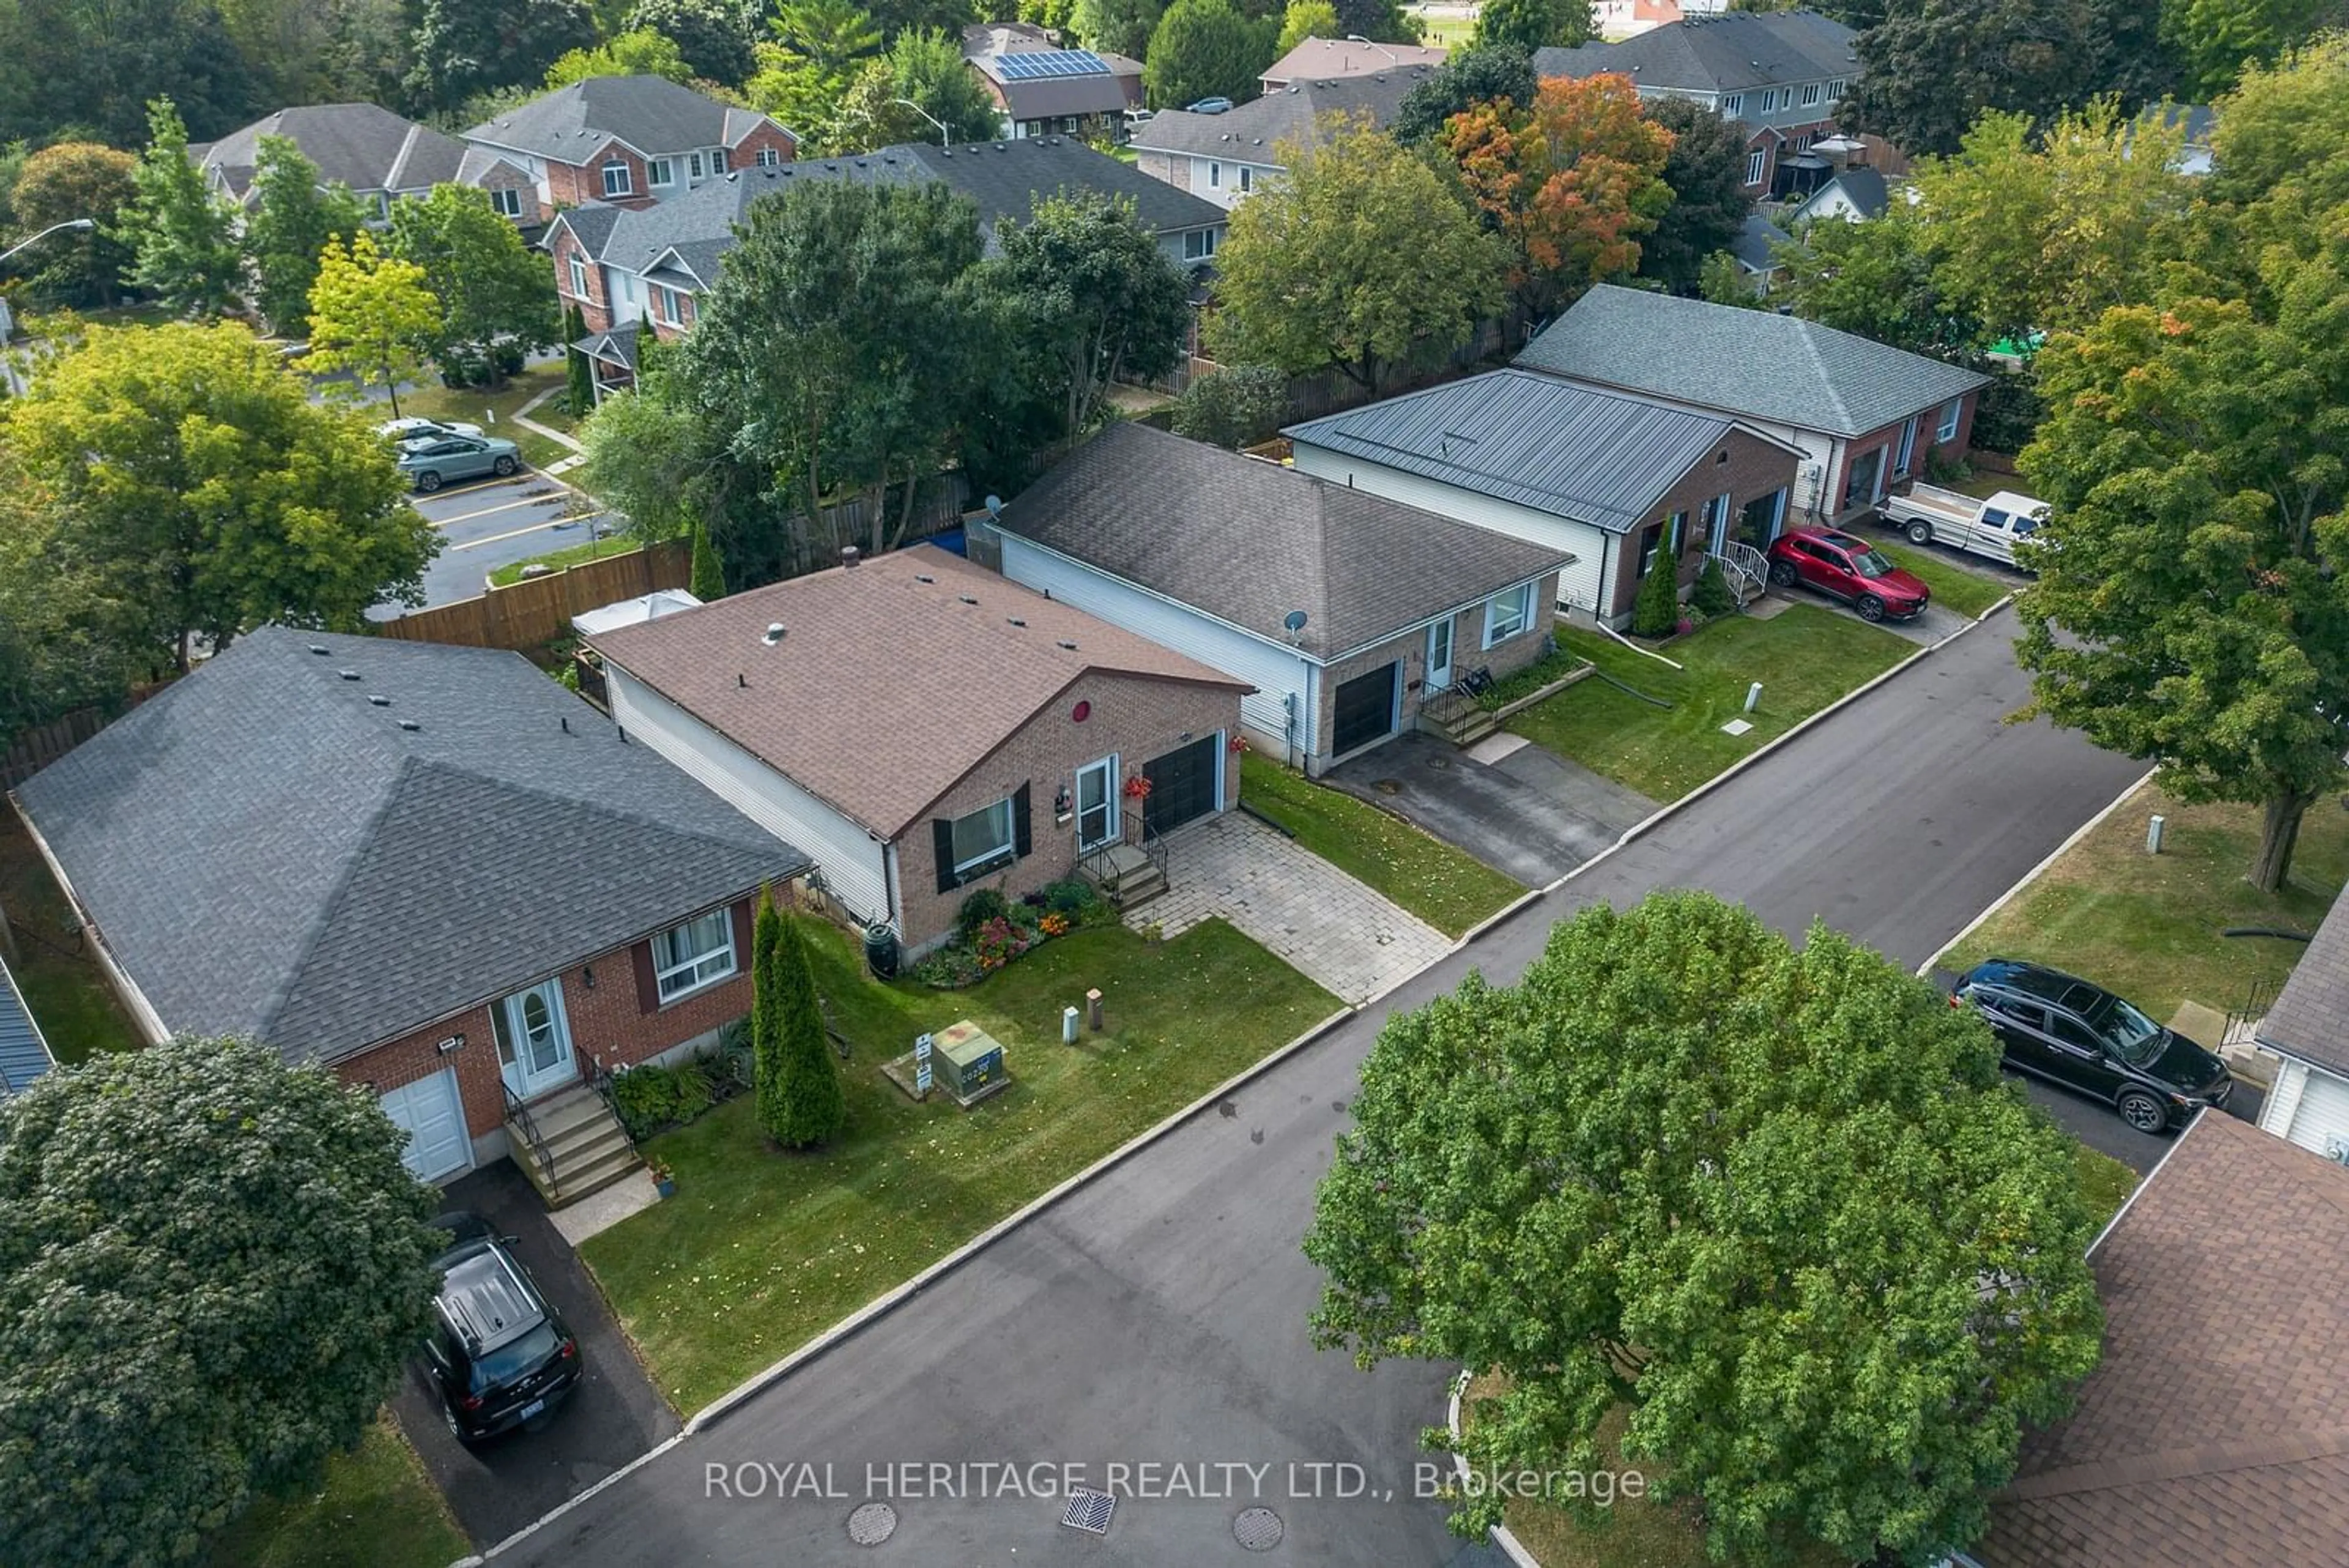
(599, 1078)
(518, 1116)
(1101, 865)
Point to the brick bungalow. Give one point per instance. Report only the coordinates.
(925, 728)
(430, 869)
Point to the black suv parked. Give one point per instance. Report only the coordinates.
(498, 1354)
(2059, 1026)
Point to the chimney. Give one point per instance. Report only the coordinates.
(849, 555)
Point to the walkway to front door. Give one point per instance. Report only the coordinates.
(1340, 934)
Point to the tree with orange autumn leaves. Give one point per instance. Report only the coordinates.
(1572, 183)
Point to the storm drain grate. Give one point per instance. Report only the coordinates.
(1257, 1529)
(1088, 1510)
(872, 1524)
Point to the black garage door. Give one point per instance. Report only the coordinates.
(1182, 783)
(1365, 710)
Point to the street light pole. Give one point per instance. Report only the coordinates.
(45, 233)
(944, 139)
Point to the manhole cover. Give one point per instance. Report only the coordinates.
(1088, 1510)
(1257, 1529)
(1439, 763)
(1388, 786)
(872, 1524)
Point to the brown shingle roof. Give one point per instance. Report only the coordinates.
(2216, 1433)
(887, 686)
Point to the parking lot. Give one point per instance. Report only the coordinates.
(490, 525)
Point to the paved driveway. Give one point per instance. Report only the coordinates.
(613, 1416)
(1351, 941)
(1525, 812)
(488, 524)
(1158, 1313)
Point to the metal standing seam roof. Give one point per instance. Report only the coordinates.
(356, 879)
(1247, 541)
(1587, 453)
(24, 1053)
(2310, 1018)
(1755, 363)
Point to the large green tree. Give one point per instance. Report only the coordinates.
(74, 69)
(181, 235)
(2191, 606)
(1208, 49)
(2281, 152)
(462, 47)
(2214, 40)
(1705, 172)
(61, 646)
(658, 462)
(1470, 77)
(1877, 279)
(800, 1102)
(1121, 27)
(368, 313)
(895, 98)
(1530, 25)
(714, 36)
(1772, 1207)
(641, 53)
(1357, 261)
(808, 65)
(205, 494)
(60, 183)
(212, 1266)
(290, 223)
(497, 296)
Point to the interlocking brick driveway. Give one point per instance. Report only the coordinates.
(1337, 931)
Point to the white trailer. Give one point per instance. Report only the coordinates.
(1930, 515)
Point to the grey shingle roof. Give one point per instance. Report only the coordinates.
(365, 147)
(620, 344)
(1597, 456)
(24, 1055)
(2310, 1017)
(1249, 133)
(1729, 52)
(1753, 243)
(1006, 178)
(1323, 60)
(1865, 188)
(1756, 363)
(267, 852)
(651, 114)
(1247, 541)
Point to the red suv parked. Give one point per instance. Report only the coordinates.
(1849, 569)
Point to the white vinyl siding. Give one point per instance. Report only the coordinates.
(2316, 1113)
(1274, 672)
(850, 857)
(1578, 584)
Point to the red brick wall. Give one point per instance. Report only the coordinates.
(744, 154)
(1754, 468)
(1138, 719)
(1887, 441)
(502, 176)
(573, 183)
(1468, 652)
(609, 1020)
(595, 306)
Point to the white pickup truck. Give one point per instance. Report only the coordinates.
(1930, 516)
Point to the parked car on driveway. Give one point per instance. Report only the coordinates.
(1848, 569)
(2058, 1026)
(1930, 515)
(432, 461)
(498, 1355)
(412, 427)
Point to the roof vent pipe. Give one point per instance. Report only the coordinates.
(849, 555)
(774, 634)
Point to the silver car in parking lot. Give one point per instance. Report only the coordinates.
(432, 461)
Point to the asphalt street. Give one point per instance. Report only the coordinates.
(488, 524)
(1158, 1314)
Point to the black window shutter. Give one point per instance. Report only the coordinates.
(942, 845)
(1023, 837)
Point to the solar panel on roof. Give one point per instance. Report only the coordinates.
(1036, 65)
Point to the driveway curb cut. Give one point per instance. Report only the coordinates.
(1657, 817)
(709, 1415)
(1499, 1534)
(2034, 875)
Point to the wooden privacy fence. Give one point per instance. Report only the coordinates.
(38, 747)
(538, 611)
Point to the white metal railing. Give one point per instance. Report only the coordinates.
(1747, 569)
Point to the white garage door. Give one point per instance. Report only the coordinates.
(434, 1116)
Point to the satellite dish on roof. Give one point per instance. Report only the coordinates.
(995, 506)
(1294, 622)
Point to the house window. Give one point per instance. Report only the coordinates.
(1834, 89)
(718, 162)
(507, 202)
(1812, 92)
(578, 276)
(983, 839)
(693, 165)
(1947, 431)
(1248, 182)
(1506, 615)
(662, 170)
(1733, 106)
(697, 953)
(1754, 162)
(1198, 244)
(769, 159)
(1215, 176)
(1651, 545)
(617, 182)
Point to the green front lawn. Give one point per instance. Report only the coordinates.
(376, 1510)
(1954, 586)
(1806, 656)
(1448, 889)
(569, 555)
(60, 981)
(760, 1251)
(2148, 926)
(474, 405)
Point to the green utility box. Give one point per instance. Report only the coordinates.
(968, 1062)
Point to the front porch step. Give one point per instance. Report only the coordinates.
(580, 1146)
(1126, 876)
(1463, 729)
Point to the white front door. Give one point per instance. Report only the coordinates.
(1096, 805)
(1439, 655)
(533, 1040)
